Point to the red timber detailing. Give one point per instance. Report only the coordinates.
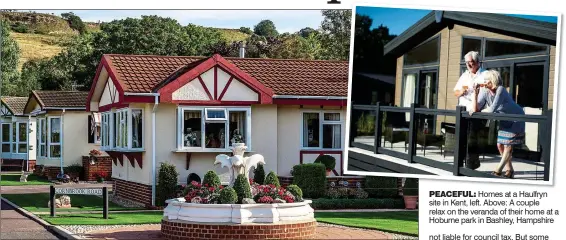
(216, 61)
(135, 192)
(322, 152)
(172, 229)
(313, 102)
(107, 64)
(132, 156)
(102, 164)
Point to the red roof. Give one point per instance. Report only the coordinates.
(142, 73)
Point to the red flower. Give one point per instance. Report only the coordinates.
(221, 187)
(211, 189)
(206, 184)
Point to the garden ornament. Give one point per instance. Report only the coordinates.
(238, 164)
(24, 177)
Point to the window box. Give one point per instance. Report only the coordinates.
(203, 129)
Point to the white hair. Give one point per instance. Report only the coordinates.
(475, 56)
(492, 76)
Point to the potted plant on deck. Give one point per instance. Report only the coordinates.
(411, 193)
(328, 161)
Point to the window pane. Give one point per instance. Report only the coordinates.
(42, 151)
(43, 131)
(14, 148)
(23, 133)
(332, 117)
(55, 130)
(22, 148)
(409, 89)
(215, 113)
(137, 128)
(311, 130)
(529, 86)
(331, 136)
(470, 44)
(14, 133)
(215, 135)
(55, 151)
(426, 53)
(6, 147)
(498, 48)
(428, 90)
(5, 132)
(505, 73)
(192, 134)
(237, 127)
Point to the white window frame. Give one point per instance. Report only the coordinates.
(16, 142)
(111, 139)
(9, 142)
(49, 143)
(204, 119)
(321, 124)
(41, 122)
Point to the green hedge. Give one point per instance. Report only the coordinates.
(311, 178)
(368, 203)
(381, 187)
(272, 179)
(166, 183)
(411, 187)
(259, 174)
(211, 179)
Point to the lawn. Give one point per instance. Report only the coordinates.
(403, 222)
(14, 180)
(37, 202)
(113, 218)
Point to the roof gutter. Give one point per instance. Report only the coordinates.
(310, 97)
(64, 108)
(142, 94)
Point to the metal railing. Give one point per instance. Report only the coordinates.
(462, 117)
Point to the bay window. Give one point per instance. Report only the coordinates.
(122, 129)
(322, 130)
(54, 144)
(212, 128)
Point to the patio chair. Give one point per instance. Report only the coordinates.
(449, 133)
(396, 129)
(428, 140)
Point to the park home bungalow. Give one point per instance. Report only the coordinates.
(430, 60)
(18, 141)
(62, 129)
(187, 110)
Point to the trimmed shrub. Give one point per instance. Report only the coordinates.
(311, 178)
(228, 196)
(166, 183)
(411, 187)
(272, 179)
(242, 187)
(211, 179)
(193, 177)
(327, 160)
(259, 174)
(368, 203)
(381, 187)
(296, 191)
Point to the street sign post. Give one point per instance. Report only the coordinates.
(79, 191)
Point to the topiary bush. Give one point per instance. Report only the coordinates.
(259, 174)
(272, 179)
(411, 187)
(193, 177)
(327, 160)
(381, 187)
(311, 178)
(211, 179)
(166, 183)
(228, 196)
(296, 191)
(242, 187)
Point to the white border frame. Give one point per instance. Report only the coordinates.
(450, 177)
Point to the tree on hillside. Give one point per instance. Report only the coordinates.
(10, 55)
(246, 30)
(306, 32)
(335, 37)
(266, 28)
(368, 47)
(75, 22)
(297, 47)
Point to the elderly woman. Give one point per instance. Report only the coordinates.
(492, 97)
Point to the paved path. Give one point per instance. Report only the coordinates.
(152, 231)
(17, 226)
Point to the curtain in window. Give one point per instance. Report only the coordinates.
(409, 92)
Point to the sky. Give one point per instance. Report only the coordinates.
(399, 19)
(285, 20)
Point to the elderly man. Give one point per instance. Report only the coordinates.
(464, 90)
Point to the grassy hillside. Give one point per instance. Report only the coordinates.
(231, 35)
(37, 46)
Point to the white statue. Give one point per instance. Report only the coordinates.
(24, 176)
(238, 164)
